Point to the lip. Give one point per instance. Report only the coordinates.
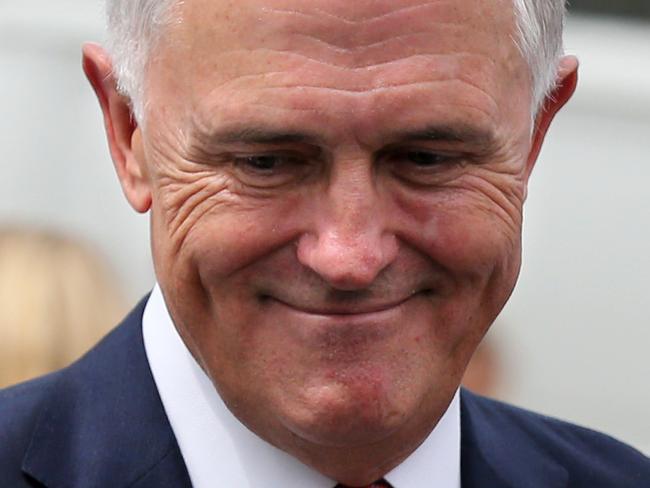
(347, 310)
(345, 327)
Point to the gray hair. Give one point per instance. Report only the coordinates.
(134, 27)
(540, 24)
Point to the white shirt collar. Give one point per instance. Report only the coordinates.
(214, 444)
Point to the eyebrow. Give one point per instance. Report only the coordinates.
(443, 133)
(448, 133)
(258, 135)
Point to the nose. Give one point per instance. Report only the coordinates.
(349, 242)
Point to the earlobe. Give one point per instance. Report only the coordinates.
(122, 131)
(567, 80)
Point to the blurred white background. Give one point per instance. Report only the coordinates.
(576, 333)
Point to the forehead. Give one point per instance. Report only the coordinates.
(368, 54)
(343, 24)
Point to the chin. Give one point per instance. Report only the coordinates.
(354, 413)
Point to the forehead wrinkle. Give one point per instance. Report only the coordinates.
(308, 64)
(367, 45)
(370, 46)
(289, 65)
(320, 13)
(301, 73)
(276, 60)
(342, 38)
(306, 89)
(485, 112)
(327, 115)
(243, 24)
(423, 34)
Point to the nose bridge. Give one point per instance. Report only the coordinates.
(350, 243)
(352, 202)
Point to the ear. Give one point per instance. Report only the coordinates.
(567, 80)
(123, 134)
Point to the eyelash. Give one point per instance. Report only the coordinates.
(248, 161)
(270, 162)
(284, 168)
(437, 158)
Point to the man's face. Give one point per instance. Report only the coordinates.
(337, 194)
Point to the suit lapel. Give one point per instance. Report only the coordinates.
(104, 425)
(497, 452)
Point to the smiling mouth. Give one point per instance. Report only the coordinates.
(347, 307)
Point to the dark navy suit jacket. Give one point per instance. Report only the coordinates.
(100, 424)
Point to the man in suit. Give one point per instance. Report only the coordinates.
(335, 191)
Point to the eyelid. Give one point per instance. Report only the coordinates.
(445, 155)
(425, 175)
(290, 168)
(270, 154)
(282, 168)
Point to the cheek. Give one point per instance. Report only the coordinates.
(204, 223)
(476, 240)
(470, 240)
(471, 231)
(230, 238)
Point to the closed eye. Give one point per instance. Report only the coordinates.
(269, 170)
(421, 166)
(424, 158)
(420, 158)
(264, 163)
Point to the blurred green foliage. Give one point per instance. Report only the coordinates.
(626, 8)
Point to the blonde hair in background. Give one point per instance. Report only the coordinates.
(57, 298)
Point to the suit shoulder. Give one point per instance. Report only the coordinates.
(592, 458)
(62, 401)
(21, 406)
